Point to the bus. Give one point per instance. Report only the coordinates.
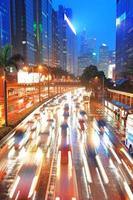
(129, 133)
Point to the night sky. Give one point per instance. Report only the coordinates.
(96, 16)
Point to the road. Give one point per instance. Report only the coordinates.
(67, 155)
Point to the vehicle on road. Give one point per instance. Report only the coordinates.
(82, 124)
(64, 154)
(129, 133)
(20, 137)
(25, 183)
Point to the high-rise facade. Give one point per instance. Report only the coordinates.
(104, 59)
(4, 22)
(67, 40)
(55, 40)
(87, 55)
(22, 30)
(32, 30)
(43, 31)
(124, 39)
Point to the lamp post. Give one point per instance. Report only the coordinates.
(48, 80)
(96, 78)
(25, 69)
(39, 70)
(5, 99)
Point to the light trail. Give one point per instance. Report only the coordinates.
(101, 168)
(104, 191)
(128, 190)
(14, 187)
(115, 155)
(127, 155)
(128, 170)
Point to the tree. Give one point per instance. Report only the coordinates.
(7, 61)
(92, 78)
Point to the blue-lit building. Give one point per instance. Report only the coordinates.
(124, 39)
(4, 22)
(104, 59)
(87, 54)
(22, 29)
(67, 40)
(55, 40)
(43, 31)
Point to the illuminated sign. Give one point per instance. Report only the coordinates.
(25, 77)
(69, 24)
(120, 19)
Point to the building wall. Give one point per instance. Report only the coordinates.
(4, 22)
(22, 29)
(103, 59)
(87, 55)
(67, 41)
(62, 38)
(55, 43)
(124, 39)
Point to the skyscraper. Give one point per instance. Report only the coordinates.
(22, 30)
(43, 31)
(67, 40)
(87, 55)
(4, 22)
(124, 39)
(104, 59)
(55, 40)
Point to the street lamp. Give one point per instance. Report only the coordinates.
(39, 70)
(5, 98)
(97, 78)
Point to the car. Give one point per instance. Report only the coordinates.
(66, 114)
(25, 183)
(42, 109)
(82, 124)
(77, 105)
(20, 137)
(37, 116)
(64, 154)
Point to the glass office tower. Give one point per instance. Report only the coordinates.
(22, 29)
(4, 22)
(124, 39)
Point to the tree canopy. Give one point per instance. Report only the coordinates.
(91, 77)
(7, 61)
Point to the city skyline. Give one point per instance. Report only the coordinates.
(97, 11)
(66, 100)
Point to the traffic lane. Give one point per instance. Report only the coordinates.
(111, 159)
(12, 166)
(119, 148)
(12, 162)
(90, 182)
(117, 170)
(14, 159)
(104, 181)
(115, 141)
(66, 182)
(23, 183)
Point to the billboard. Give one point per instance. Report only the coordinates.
(25, 77)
